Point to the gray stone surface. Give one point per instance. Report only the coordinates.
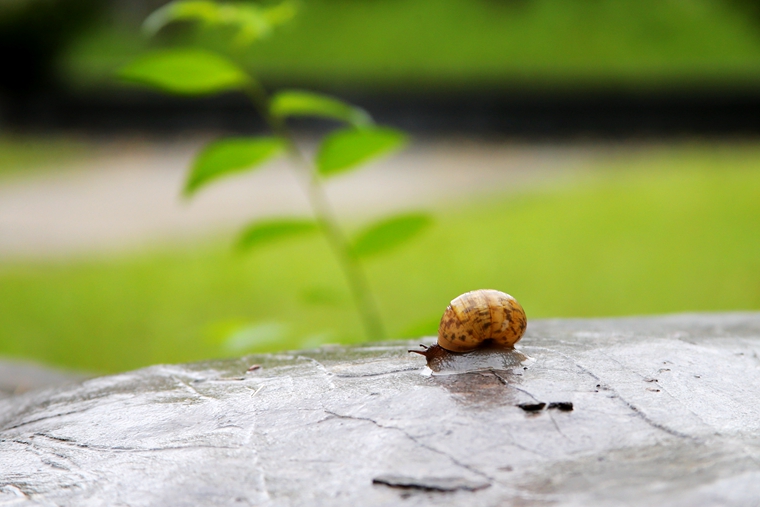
(18, 377)
(666, 411)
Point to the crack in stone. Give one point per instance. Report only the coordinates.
(520, 446)
(367, 375)
(636, 410)
(644, 416)
(251, 441)
(52, 464)
(192, 389)
(662, 389)
(416, 441)
(506, 383)
(320, 367)
(554, 421)
(102, 448)
(44, 454)
(25, 423)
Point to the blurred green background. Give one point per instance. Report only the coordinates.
(641, 227)
(474, 44)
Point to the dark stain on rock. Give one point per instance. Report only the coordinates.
(532, 407)
(443, 484)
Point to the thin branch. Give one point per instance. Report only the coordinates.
(320, 205)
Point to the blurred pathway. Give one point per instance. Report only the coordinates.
(129, 198)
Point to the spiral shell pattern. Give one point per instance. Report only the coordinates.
(479, 317)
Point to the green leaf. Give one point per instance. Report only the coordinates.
(300, 103)
(186, 72)
(346, 149)
(267, 231)
(281, 13)
(390, 233)
(198, 10)
(253, 22)
(229, 156)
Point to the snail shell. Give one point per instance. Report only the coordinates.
(478, 329)
(480, 318)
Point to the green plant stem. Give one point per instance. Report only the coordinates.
(355, 276)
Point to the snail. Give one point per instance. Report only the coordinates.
(476, 324)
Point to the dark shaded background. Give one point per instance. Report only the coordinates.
(35, 33)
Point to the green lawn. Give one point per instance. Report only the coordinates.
(652, 231)
(445, 44)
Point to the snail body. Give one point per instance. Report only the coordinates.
(476, 322)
